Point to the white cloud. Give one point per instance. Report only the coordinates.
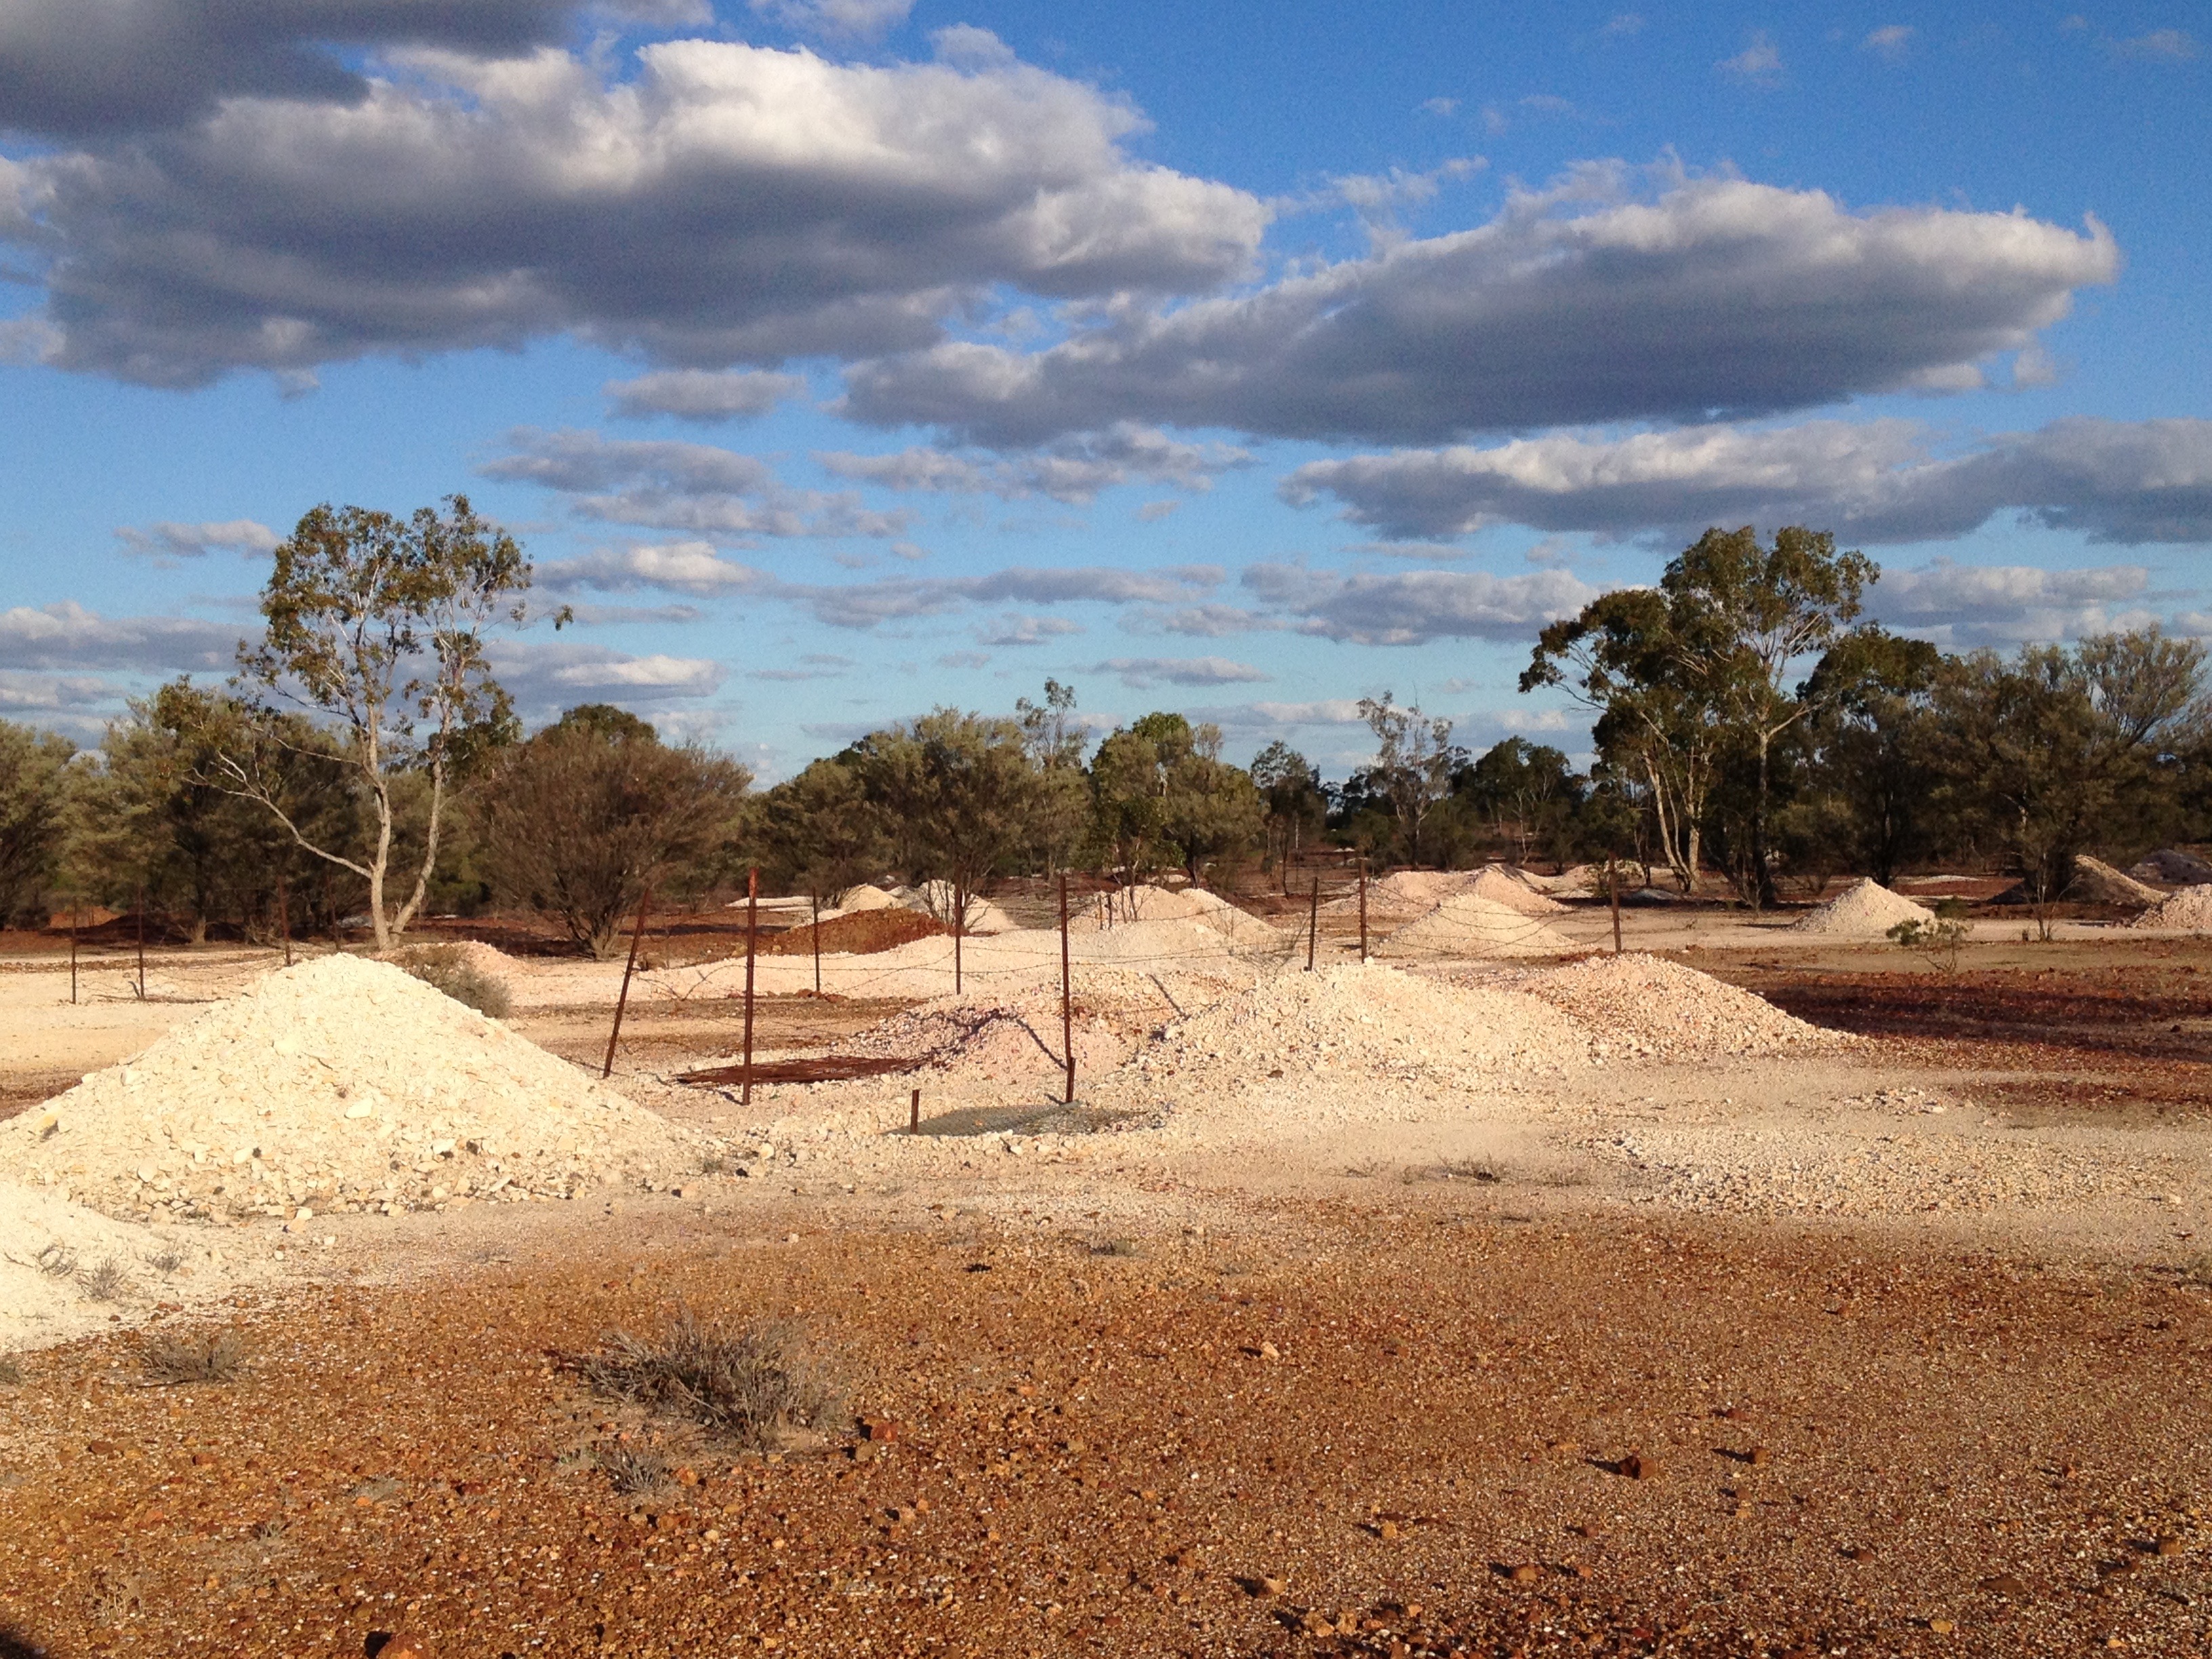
(1891, 41)
(1327, 711)
(1622, 25)
(700, 394)
(2116, 481)
(2002, 605)
(170, 540)
(1073, 470)
(1586, 302)
(837, 20)
(1439, 106)
(68, 636)
(692, 568)
(724, 203)
(1759, 63)
(1016, 629)
(698, 488)
(546, 676)
(1417, 605)
(1142, 673)
(2159, 46)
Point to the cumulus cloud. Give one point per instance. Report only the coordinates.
(696, 568)
(1327, 711)
(168, 539)
(1073, 470)
(67, 635)
(1583, 303)
(668, 485)
(1416, 607)
(1142, 673)
(2004, 604)
(837, 20)
(726, 204)
(1014, 630)
(97, 67)
(545, 677)
(2128, 483)
(701, 394)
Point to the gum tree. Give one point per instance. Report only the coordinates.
(375, 630)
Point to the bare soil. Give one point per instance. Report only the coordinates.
(1375, 1398)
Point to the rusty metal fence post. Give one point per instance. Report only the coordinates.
(752, 946)
(1066, 1002)
(621, 1001)
(1313, 925)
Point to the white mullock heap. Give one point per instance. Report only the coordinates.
(341, 1084)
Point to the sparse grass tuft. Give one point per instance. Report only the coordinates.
(631, 1470)
(57, 1262)
(761, 1385)
(447, 969)
(167, 1262)
(106, 1283)
(179, 1360)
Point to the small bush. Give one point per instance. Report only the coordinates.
(165, 1262)
(759, 1385)
(178, 1360)
(106, 1283)
(631, 1471)
(448, 968)
(1940, 938)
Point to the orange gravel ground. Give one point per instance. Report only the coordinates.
(1330, 1429)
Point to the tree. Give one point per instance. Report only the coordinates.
(956, 794)
(1530, 786)
(1414, 761)
(1870, 739)
(818, 833)
(34, 791)
(1692, 675)
(151, 819)
(376, 625)
(1297, 807)
(1162, 795)
(585, 818)
(2059, 750)
(1056, 740)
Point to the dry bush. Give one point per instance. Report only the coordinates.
(446, 968)
(761, 1385)
(57, 1262)
(631, 1470)
(178, 1360)
(106, 1283)
(165, 1262)
(11, 1372)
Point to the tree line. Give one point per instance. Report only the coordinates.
(1749, 728)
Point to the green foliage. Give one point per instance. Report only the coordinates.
(577, 824)
(1162, 796)
(956, 794)
(34, 797)
(1529, 794)
(1414, 760)
(817, 833)
(375, 625)
(1295, 804)
(1688, 679)
(1939, 938)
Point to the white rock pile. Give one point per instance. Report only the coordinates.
(1637, 1006)
(1865, 910)
(2188, 910)
(1470, 925)
(342, 1084)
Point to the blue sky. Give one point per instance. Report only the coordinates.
(838, 358)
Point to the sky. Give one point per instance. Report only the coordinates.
(835, 360)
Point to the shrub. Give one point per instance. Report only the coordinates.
(216, 1358)
(759, 1385)
(104, 1283)
(446, 968)
(631, 1470)
(1938, 939)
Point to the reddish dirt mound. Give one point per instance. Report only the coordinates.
(861, 933)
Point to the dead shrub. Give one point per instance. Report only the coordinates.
(446, 968)
(57, 1262)
(631, 1470)
(761, 1385)
(179, 1360)
(106, 1283)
